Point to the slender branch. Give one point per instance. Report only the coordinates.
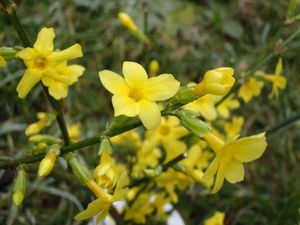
(283, 125)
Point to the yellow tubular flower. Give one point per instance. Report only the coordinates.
(216, 219)
(217, 82)
(278, 80)
(127, 22)
(136, 95)
(230, 157)
(101, 205)
(250, 88)
(106, 173)
(49, 66)
(2, 62)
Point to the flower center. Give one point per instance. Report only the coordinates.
(164, 130)
(40, 62)
(136, 94)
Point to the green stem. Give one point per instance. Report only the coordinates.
(283, 125)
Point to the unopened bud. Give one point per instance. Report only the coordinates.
(19, 186)
(47, 164)
(153, 67)
(127, 22)
(217, 82)
(191, 123)
(44, 138)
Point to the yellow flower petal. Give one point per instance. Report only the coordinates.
(212, 169)
(249, 148)
(77, 71)
(124, 105)
(29, 79)
(93, 209)
(44, 41)
(208, 111)
(58, 90)
(70, 53)
(219, 179)
(135, 75)
(113, 82)
(161, 88)
(234, 171)
(149, 114)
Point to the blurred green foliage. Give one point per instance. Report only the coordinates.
(188, 38)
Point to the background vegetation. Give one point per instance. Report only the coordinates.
(188, 38)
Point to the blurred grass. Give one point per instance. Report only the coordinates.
(188, 38)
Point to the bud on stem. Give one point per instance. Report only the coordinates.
(19, 186)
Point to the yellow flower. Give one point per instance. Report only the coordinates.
(106, 173)
(216, 219)
(227, 105)
(217, 82)
(234, 127)
(49, 66)
(230, 157)
(127, 22)
(278, 80)
(250, 88)
(101, 205)
(205, 105)
(136, 95)
(2, 62)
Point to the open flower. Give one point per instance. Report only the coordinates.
(279, 81)
(250, 88)
(136, 95)
(230, 157)
(103, 203)
(49, 66)
(217, 82)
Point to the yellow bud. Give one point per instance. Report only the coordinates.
(153, 67)
(127, 22)
(35, 128)
(47, 164)
(18, 197)
(19, 186)
(217, 82)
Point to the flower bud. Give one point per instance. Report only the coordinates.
(127, 22)
(19, 186)
(151, 173)
(35, 128)
(191, 123)
(217, 82)
(106, 173)
(184, 95)
(153, 68)
(47, 164)
(48, 139)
